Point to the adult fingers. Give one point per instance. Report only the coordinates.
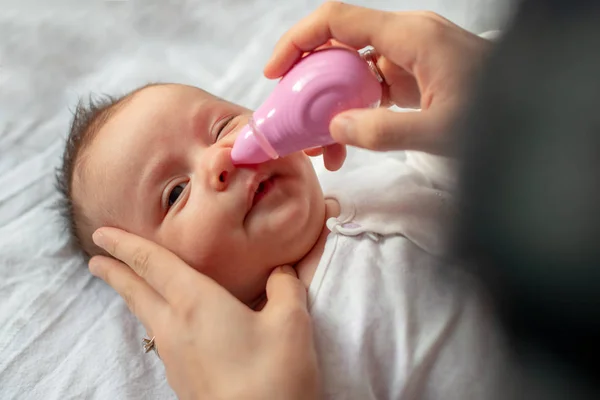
(163, 270)
(352, 25)
(401, 88)
(143, 301)
(314, 152)
(334, 156)
(284, 289)
(405, 39)
(382, 129)
(334, 43)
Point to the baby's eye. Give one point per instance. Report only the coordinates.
(175, 193)
(223, 126)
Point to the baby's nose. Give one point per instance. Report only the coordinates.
(221, 170)
(222, 181)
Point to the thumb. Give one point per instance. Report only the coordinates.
(383, 129)
(285, 289)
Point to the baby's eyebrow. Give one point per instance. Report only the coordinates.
(154, 171)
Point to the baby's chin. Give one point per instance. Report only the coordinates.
(252, 290)
(247, 284)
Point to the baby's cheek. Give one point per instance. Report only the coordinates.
(233, 275)
(197, 253)
(298, 165)
(209, 255)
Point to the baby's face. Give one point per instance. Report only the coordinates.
(161, 168)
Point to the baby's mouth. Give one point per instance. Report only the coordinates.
(263, 189)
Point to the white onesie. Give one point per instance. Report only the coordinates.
(392, 319)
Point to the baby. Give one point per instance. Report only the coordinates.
(390, 319)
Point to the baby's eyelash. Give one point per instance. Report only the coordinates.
(224, 125)
(173, 195)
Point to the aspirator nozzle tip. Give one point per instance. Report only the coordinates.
(247, 149)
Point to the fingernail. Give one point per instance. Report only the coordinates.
(93, 266)
(269, 65)
(344, 126)
(99, 239)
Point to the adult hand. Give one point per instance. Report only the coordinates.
(427, 62)
(212, 345)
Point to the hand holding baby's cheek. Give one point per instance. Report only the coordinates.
(212, 345)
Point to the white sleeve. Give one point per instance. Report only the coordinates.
(441, 171)
(393, 197)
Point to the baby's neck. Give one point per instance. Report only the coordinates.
(307, 266)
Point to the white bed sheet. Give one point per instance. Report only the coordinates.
(63, 334)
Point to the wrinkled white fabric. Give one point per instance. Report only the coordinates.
(393, 319)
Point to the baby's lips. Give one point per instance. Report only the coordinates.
(258, 185)
(251, 186)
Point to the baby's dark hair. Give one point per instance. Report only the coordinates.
(88, 118)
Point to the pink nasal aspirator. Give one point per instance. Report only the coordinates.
(297, 114)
